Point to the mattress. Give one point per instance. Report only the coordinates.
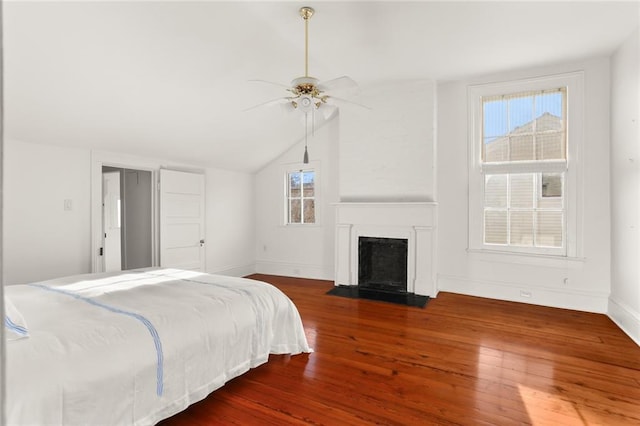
(138, 346)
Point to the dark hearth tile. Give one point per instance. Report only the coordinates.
(354, 292)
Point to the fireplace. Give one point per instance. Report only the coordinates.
(408, 227)
(382, 264)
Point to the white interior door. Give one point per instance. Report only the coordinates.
(111, 219)
(182, 220)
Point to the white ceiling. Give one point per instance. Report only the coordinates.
(170, 79)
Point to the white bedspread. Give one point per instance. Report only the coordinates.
(138, 346)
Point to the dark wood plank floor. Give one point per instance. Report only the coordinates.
(460, 361)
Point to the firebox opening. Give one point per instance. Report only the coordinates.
(382, 264)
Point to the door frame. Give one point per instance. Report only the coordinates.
(98, 160)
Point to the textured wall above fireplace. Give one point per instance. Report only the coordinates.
(415, 222)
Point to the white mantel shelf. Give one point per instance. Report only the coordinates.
(386, 203)
(414, 221)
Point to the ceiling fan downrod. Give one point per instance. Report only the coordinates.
(306, 12)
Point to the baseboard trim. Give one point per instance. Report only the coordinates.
(579, 300)
(235, 271)
(626, 318)
(290, 269)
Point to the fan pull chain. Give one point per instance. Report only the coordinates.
(313, 122)
(305, 158)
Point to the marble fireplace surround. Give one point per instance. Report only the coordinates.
(415, 222)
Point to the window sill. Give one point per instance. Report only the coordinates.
(547, 260)
(301, 225)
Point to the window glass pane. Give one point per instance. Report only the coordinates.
(549, 229)
(495, 118)
(550, 103)
(309, 211)
(551, 185)
(294, 184)
(522, 228)
(496, 149)
(495, 191)
(521, 148)
(295, 214)
(520, 113)
(495, 227)
(308, 179)
(522, 190)
(294, 192)
(550, 146)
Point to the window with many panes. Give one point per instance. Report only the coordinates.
(300, 199)
(521, 166)
(517, 128)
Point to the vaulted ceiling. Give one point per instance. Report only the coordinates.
(171, 79)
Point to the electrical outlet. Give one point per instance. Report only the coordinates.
(526, 294)
(68, 205)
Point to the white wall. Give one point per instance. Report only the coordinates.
(45, 241)
(230, 232)
(575, 284)
(624, 303)
(387, 154)
(41, 239)
(298, 250)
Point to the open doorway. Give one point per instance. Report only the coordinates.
(127, 224)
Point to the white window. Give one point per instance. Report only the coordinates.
(300, 197)
(523, 165)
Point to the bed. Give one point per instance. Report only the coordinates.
(138, 346)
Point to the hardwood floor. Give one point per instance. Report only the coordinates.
(460, 361)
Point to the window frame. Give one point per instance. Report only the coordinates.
(572, 167)
(286, 213)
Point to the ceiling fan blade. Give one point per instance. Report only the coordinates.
(271, 82)
(345, 101)
(272, 102)
(340, 83)
(327, 111)
(288, 106)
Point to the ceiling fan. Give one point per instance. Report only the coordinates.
(308, 94)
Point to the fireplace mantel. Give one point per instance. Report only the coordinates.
(415, 221)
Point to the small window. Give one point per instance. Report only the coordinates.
(300, 197)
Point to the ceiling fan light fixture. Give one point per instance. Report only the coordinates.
(305, 104)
